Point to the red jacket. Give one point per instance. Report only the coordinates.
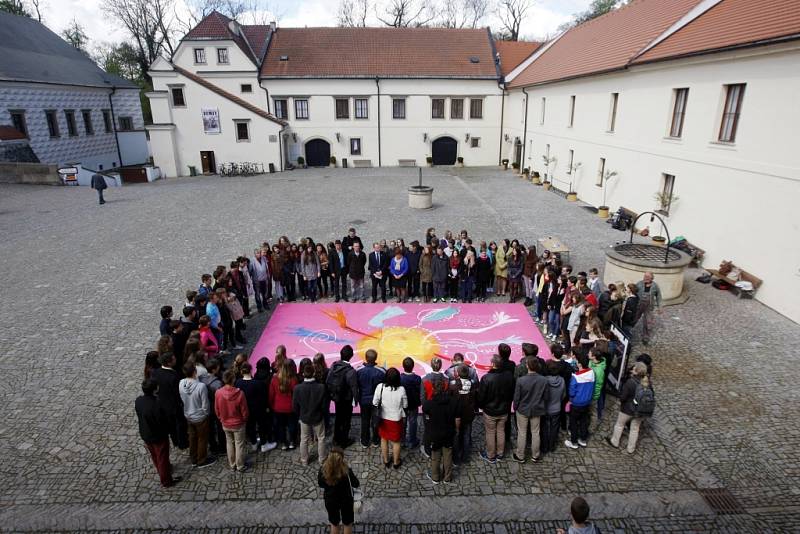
(280, 402)
(231, 407)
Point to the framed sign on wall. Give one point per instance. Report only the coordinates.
(211, 121)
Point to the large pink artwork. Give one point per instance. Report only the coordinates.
(395, 331)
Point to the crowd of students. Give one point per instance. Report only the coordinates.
(194, 395)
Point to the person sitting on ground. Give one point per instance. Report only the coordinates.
(442, 415)
(337, 481)
(579, 509)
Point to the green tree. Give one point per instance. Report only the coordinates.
(15, 7)
(75, 35)
(596, 9)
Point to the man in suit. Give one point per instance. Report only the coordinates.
(350, 239)
(337, 263)
(99, 184)
(356, 262)
(378, 271)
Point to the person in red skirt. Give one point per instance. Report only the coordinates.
(391, 402)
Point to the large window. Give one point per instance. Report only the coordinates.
(398, 108)
(571, 119)
(107, 120)
(456, 108)
(342, 108)
(730, 114)
(678, 112)
(612, 119)
(18, 121)
(242, 131)
(301, 109)
(280, 109)
(88, 127)
(475, 108)
(200, 55)
(222, 56)
(72, 129)
(361, 106)
(52, 123)
(177, 97)
(437, 108)
(667, 187)
(355, 146)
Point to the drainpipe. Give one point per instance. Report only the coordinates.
(114, 122)
(378, 86)
(525, 131)
(502, 119)
(280, 146)
(266, 92)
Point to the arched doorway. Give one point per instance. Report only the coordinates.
(444, 151)
(318, 153)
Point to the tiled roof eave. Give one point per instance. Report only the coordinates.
(512, 85)
(373, 76)
(717, 50)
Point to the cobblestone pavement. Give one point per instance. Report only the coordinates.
(81, 309)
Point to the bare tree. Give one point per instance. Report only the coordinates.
(150, 25)
(596, 8)
(405, 13)
(461, 13)
(259, 12)
(511, 14)
(75, 35)
(37, 9)
(353, 13)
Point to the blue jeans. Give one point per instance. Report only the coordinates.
(465, 289)
(601, 403)
(439, 289)
(552, 321)
(411, 440)
(311, 289)
(463, 444)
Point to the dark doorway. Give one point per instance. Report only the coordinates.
(318, 153)
(444, 151)
(518, 153)
(208, 162)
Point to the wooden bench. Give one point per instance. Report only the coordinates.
(362, 163)
(407, 162)
(743, 276)
(692, 250)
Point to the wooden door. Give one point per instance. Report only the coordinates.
(209, 166)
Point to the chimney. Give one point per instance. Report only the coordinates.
(273, 26)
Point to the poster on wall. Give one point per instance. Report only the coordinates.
(211, 121)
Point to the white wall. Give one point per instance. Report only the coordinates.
(400, 138)
(237, 60)
(737, 201)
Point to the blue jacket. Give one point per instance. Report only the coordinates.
(369, 377)
(581, 388)
(413, 385)
(402, 271)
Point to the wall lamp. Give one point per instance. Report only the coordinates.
(466, 138)
(338, 137)
(424, 138)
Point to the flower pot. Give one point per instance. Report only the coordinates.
(661, 241)
(602, 212)
(572, 197)
(535, 180)
(546, 186)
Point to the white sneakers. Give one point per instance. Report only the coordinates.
(268, 446)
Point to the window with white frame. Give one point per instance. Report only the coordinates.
(571, 119)
(361, 106)
(612, 118)
(544, 107)
(178, 99)
(342, 108)
(678, 111)
(667, 188)
(222, 56)
(398, 108)
(300, 109)
(437, 108)
(734, 94)
(456, 108)
(280, 108)
(475, 108)
(246, 88)
(355, 146)
(200, 55)
(242, 130)
(601, 171)
(475, 142)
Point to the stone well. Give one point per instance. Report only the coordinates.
(627, 262)
(420, 197)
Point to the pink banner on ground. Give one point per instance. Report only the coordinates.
(395, 331)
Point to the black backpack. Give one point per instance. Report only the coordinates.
(335, 382)
(644, 400)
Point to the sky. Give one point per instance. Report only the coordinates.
(543, 19)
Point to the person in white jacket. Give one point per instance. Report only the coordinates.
(391, 400)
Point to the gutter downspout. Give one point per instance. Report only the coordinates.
(378, 86)
(114, 123)
(524, 131)
(502, 119)
(280, 146)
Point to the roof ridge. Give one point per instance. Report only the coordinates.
(230, 96)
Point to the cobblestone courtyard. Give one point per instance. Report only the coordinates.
(85, 283)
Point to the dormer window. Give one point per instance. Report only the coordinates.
(200, 55)
(222, 56)
(284, 58)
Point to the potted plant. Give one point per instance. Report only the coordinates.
(536, 179)
(429, 159)
(333, 161)
(602, 211)
(505, 164)
(526, 172)
(572, 195)
(515, 166)
(659, 240)
(460, 160)
(548, 160)
(664, 202)
(301, 161)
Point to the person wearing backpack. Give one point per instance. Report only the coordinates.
(342, 387)
(637, 401)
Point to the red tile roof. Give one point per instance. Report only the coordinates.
(606, 43)
(258, 37)
(387, 52)
(512, 53)
(215, 26)
(230, 96)
(730, 23)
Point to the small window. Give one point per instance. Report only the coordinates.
(52, 123)
(107, 120)
(730, 113)
(280, 109)
(242, 131)
(18, 121)
(456, 108)
(362, 108)
(570, 161)
(544, 108)
(222, 56)
(678, 111)
(601, 171)
(86, 114)
(72, 129)
(398, 108)
(475, 108)
(612, 121)
(125, 124)
(301, 109)
(437, 108)
(342, 108)
(200, 55)
(475, 142)
(177, 97)
(355, 146)
(246, 88)
(571, 111)
(667, 187)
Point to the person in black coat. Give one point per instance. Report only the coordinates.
(378, 271)
(494, 398)
(337, 263)
(442, 419)
(310, 402)
(154, 429)
(167, 379)
(350, 239)
(342, 386)
(99, 184)
(413, 255)
(356, 269)
(255, 392)
(337, 481)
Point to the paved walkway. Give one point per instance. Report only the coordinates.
(84, 285)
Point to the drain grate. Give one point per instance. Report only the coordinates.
(721, 501)
(357, 222)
